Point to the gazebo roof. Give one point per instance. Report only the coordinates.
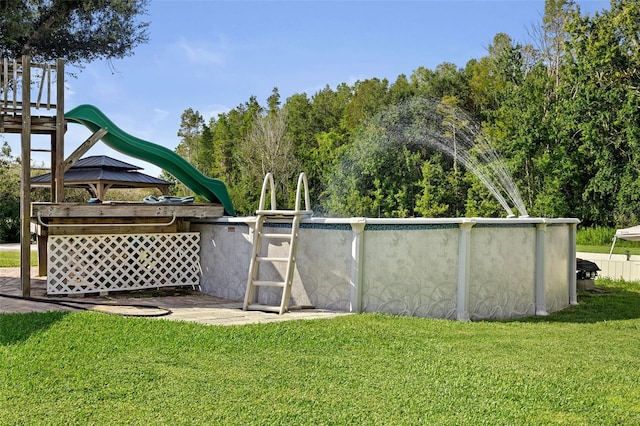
(103, 161)
(99, 173)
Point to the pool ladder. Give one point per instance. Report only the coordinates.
(273, 216)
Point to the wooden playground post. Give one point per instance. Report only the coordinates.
(25, 180)
(57, 142)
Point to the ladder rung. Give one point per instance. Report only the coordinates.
(282, 212)
(280, 284)
(277, 236)
(41, 168)
(40, 150)
(272, 259)
(268, 308)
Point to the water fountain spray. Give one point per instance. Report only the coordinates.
(424, 122)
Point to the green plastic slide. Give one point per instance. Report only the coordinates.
(213, 190)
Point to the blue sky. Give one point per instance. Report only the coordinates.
(213, 55)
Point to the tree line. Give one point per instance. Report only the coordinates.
(561, 110)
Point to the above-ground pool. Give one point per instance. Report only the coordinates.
(465, 268)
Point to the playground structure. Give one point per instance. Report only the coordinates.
(32, 103)
(16, 117)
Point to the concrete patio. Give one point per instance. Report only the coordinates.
(185, 305)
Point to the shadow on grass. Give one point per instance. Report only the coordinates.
(16, 328)
(603, 304)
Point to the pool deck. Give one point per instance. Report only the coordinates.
(189, 306)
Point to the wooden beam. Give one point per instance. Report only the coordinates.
(42, 238)
(82, 226)
(60, 130)
(5, 82)
(39, 125)
(53, 171)
(124, 209)
(25, 182)
(102, 190)
(83, 148)
(93, 189)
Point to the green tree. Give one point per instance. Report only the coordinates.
(433, 195)
(445, 80)
(377, 174)
(550, 36)
(328, 107)
(324, 160)
(302, 131)
(401, 90)
(273, 101)
(479, 201)
(598, 108)
(267, 148)
(369, 97)
(494, 76)
(75, 30)
(520, 128)
(222, 135)
(205, 157)
(308, 121)
(220, 154)
(518, 121)
(190, 131)
(452, 124)
(9, 196)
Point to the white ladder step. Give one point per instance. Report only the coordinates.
(271, 259)
(277, 236)
(267, 308)
(284, 213)
(280, 284)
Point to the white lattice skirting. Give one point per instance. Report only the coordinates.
(98, 263)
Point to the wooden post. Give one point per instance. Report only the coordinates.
(54, 172)
(25, 180)
(59, 136)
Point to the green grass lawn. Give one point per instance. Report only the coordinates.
(607, 249)
(11, 258)
(578, 366)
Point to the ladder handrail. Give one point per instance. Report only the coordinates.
(268, 179)
(302, 182)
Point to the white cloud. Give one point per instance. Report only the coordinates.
(94, 85)
(353, 79)
(201, 53)
(159, 115)
(212, 111)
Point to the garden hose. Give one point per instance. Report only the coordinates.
(129, 310)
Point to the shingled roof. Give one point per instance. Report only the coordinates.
(97, 174)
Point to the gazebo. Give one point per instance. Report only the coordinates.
(97, 174)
